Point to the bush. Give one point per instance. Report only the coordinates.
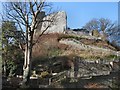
(95, 33)
(54, 52)
(112, 57)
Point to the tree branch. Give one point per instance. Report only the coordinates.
(31, 8)
(15, 18)
(40, 35)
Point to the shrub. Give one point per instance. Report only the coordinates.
(112, 57)
(95, 33)
(54, 52)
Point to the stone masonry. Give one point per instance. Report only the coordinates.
(58, 25)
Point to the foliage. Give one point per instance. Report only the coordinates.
(112, 57)
(26, 15)
(95, 33)
(0, 50)
(43, 74)
(54, 52)
(11, 53)
(7, 32)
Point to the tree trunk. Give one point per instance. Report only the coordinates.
(28, 55)
(4, 68)
(27, 61)
(5, 60)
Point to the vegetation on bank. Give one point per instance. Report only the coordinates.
(44, 54)
(65, 36)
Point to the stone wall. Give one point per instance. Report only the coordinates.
(75, 44)
(88, 69)
(58, 25)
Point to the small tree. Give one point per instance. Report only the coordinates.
(11, 54)
(25, 14)
(7, 28)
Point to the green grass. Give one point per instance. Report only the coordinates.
(112, 57)
(54, 52)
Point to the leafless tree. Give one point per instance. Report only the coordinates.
(92, 25)
(25, 14)
(101, 24)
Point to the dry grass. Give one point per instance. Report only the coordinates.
(94, 85)
(87, 54)
(98, 43)
(49, 44)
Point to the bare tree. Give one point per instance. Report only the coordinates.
(114, 35)
(101, 24)
(92, 25)
(25, 14)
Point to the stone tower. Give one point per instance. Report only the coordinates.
(58, 25)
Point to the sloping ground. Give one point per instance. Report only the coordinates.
(91, 49)
(64, 44)
(48, 45)
(58, 51)
(62, 49)
(92, 40)
(97, 82)
(99, 43)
